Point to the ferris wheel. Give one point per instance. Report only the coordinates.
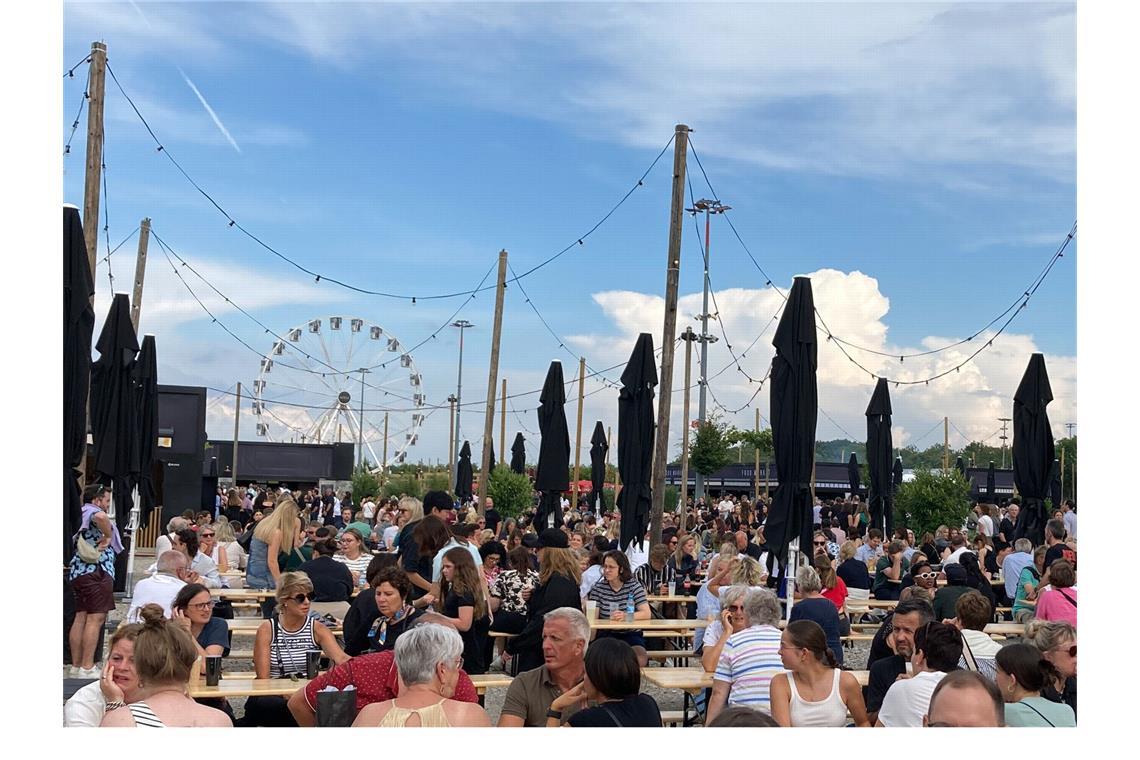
(337, 379)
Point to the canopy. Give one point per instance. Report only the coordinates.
(991, 487)
(1033, 449)
(552, 473)
(853, 474)
(78, 325)
(145, 378)
(880, 446)
(636, 428)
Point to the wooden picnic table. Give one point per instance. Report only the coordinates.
(672, 598)
(243, 687)
(249, 626)
(694, 680)
(1005, 629)
(489, 681)
(652, 624)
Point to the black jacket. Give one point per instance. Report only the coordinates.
(332, 581)
(559, 591)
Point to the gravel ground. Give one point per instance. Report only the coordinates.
(855, 658)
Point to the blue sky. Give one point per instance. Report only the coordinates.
(918, 159)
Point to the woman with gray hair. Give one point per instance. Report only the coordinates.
(750, 658)
(428, 660)
(814, 606)
(731, 620)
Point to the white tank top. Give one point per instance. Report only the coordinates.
(828, 712)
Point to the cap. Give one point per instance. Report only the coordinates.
(553, 538)
(955, 573)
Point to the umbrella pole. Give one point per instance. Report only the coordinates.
(132, 528)
(790, 577)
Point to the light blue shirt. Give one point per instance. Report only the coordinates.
(437, 563)
(1011, 568)
(865, 553)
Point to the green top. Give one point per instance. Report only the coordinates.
(1036, 712)
(881, 578)
(364, 528)
(1026, 576)
(945, 600)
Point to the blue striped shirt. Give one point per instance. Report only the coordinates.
(748, 662)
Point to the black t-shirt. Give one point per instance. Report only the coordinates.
(474, 637)
(755, 551)
(854, 574)
(332, 581)
(411, 560)
(357, 623)
(640, 711)
(822, 612)
(1060, 551)
(1006, 529)
(491, 516)
(882, 674)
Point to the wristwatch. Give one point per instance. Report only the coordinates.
(556, 714)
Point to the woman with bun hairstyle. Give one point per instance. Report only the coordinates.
(1022, 673)
(815, 692)
(164, 654)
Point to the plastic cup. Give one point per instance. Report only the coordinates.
(312, 663)
(213, 669)
(591, 610)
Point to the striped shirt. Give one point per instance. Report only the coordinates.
(287, 650)
(358, 565)
(144, 716)
(651, 579)
(610, 601)
(748, 662)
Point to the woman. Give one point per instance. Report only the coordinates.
(975, 578)
(593, 572)
(191, 609)
(1059, 601)
(492, 553)
(1021, 675)
(812, 606)
(558, 581)
(927, 546)
(614, 593)
(464, 604)
(117, 686)
(164, 653)
(1025, 601)
(281, 646)
(684, 561)
(200, 562)
(428, 660)
(921, 575)
(731, 620)
(226, 552)
(507, 592)
(858, 520)
(814, 692)
(233, 506)
(379, 616)
(834, 590)
(613, 682)
(332, 580)
(353, 555)
(853, 572)
(1057, 642)
(274, 541)
(506, 528)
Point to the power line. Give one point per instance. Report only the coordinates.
(579, 241)
(71, 72)
(75, 123)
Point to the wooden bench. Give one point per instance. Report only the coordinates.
(677, 717)
(669, 654)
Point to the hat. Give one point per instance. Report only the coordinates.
(553, 538)
(437, 500)
(955, 573)
(530, 541)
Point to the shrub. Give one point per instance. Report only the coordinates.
(932, 499)
(513, 493)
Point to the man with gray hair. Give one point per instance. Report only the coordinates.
(173, 572)
(1020, 558)
(165, 542)
(750, 658)
(565, 636)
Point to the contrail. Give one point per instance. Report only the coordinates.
(210, 111)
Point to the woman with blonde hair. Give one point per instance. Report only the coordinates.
(1057, 641)
(164, 654)
(118, 686)
(227, 552)
(559, 577)
(275, 540)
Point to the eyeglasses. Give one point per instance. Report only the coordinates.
(302, 598)
(203, 606)
(736, 608)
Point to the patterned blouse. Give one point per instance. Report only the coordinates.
(509, 587)
(106, 560)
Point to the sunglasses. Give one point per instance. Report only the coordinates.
(302, 598)
(206, 535)
(1072, 650)
(926, 576)
(819, 543)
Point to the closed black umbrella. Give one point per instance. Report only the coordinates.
(636, 427)
(552, 473)
(960, 466)
(491, 465)
(146, 388)
(794, 407)
(880, 447)
(78, 324)
(1055, 484)
(853, 474)
(464, 474)
(1033, 449)
(889, 514)
(518, 455)
(598, 448)
(114, 405)
(991, 484)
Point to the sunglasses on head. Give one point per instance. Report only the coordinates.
(302, 598)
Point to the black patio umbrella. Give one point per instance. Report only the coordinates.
(518, 455)
(636, 427)
(960, 466)
(880, 446)
(146, 388)
(794, 406)
(1055, 484)
(78, 324)
(897, 480)
(1033, 449)
(552, 473)
(598, 448)
(853, 480)
(991, 487)
(464, 474)
(491, 465)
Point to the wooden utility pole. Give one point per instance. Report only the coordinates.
(945, 445)
(688, 336)
(94, 167)
(237, 422)
(140, 273)
(756, 479)
(492, 381)
(451, 446)
(669, 331)
(578, 435)
(503, 425)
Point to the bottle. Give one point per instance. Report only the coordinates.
(363, 581)
(629, 609)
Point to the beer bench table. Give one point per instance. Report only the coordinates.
(247, 687)
(249, 626)
(489, 681)
(672, 598)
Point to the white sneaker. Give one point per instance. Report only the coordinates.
(94, 672)
(73, 671)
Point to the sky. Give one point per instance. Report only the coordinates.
(917, 161)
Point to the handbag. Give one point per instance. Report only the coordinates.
(86, 551)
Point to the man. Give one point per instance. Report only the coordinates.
(1008, 523)
(656, 576)
(908, 617)
(946, 598)
(872, 549)
(973, 613)
(965, 700)
(165, 542)
(368, 509)
(817, 515)
(92, 582)
(745, 546)
(173, 570)
(460, 532)
(985, 522)
(359, 524)
(889, 572)
(750, 658)
(1070, 518)
(375, 679)
(937, 649)
(343, 518)
(491, 515)
(725, 506)
(957, 548)
(565, 636)
(1058, 549)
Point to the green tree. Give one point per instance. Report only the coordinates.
(711, 446)
(403, 484)
(511, 491)
(932, 499)
(364, 483)
(437, 481)
(1069, 445)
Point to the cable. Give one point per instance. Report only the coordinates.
(312, 273)
(75, 124)
(71, 72)
(833, 422)
(107, 226)
(924, 435)
(116, 248)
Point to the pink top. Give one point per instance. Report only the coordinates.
(1054, 604)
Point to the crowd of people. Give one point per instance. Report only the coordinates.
(421, 586)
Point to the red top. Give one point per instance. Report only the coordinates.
(837, 595)
(374, 676)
